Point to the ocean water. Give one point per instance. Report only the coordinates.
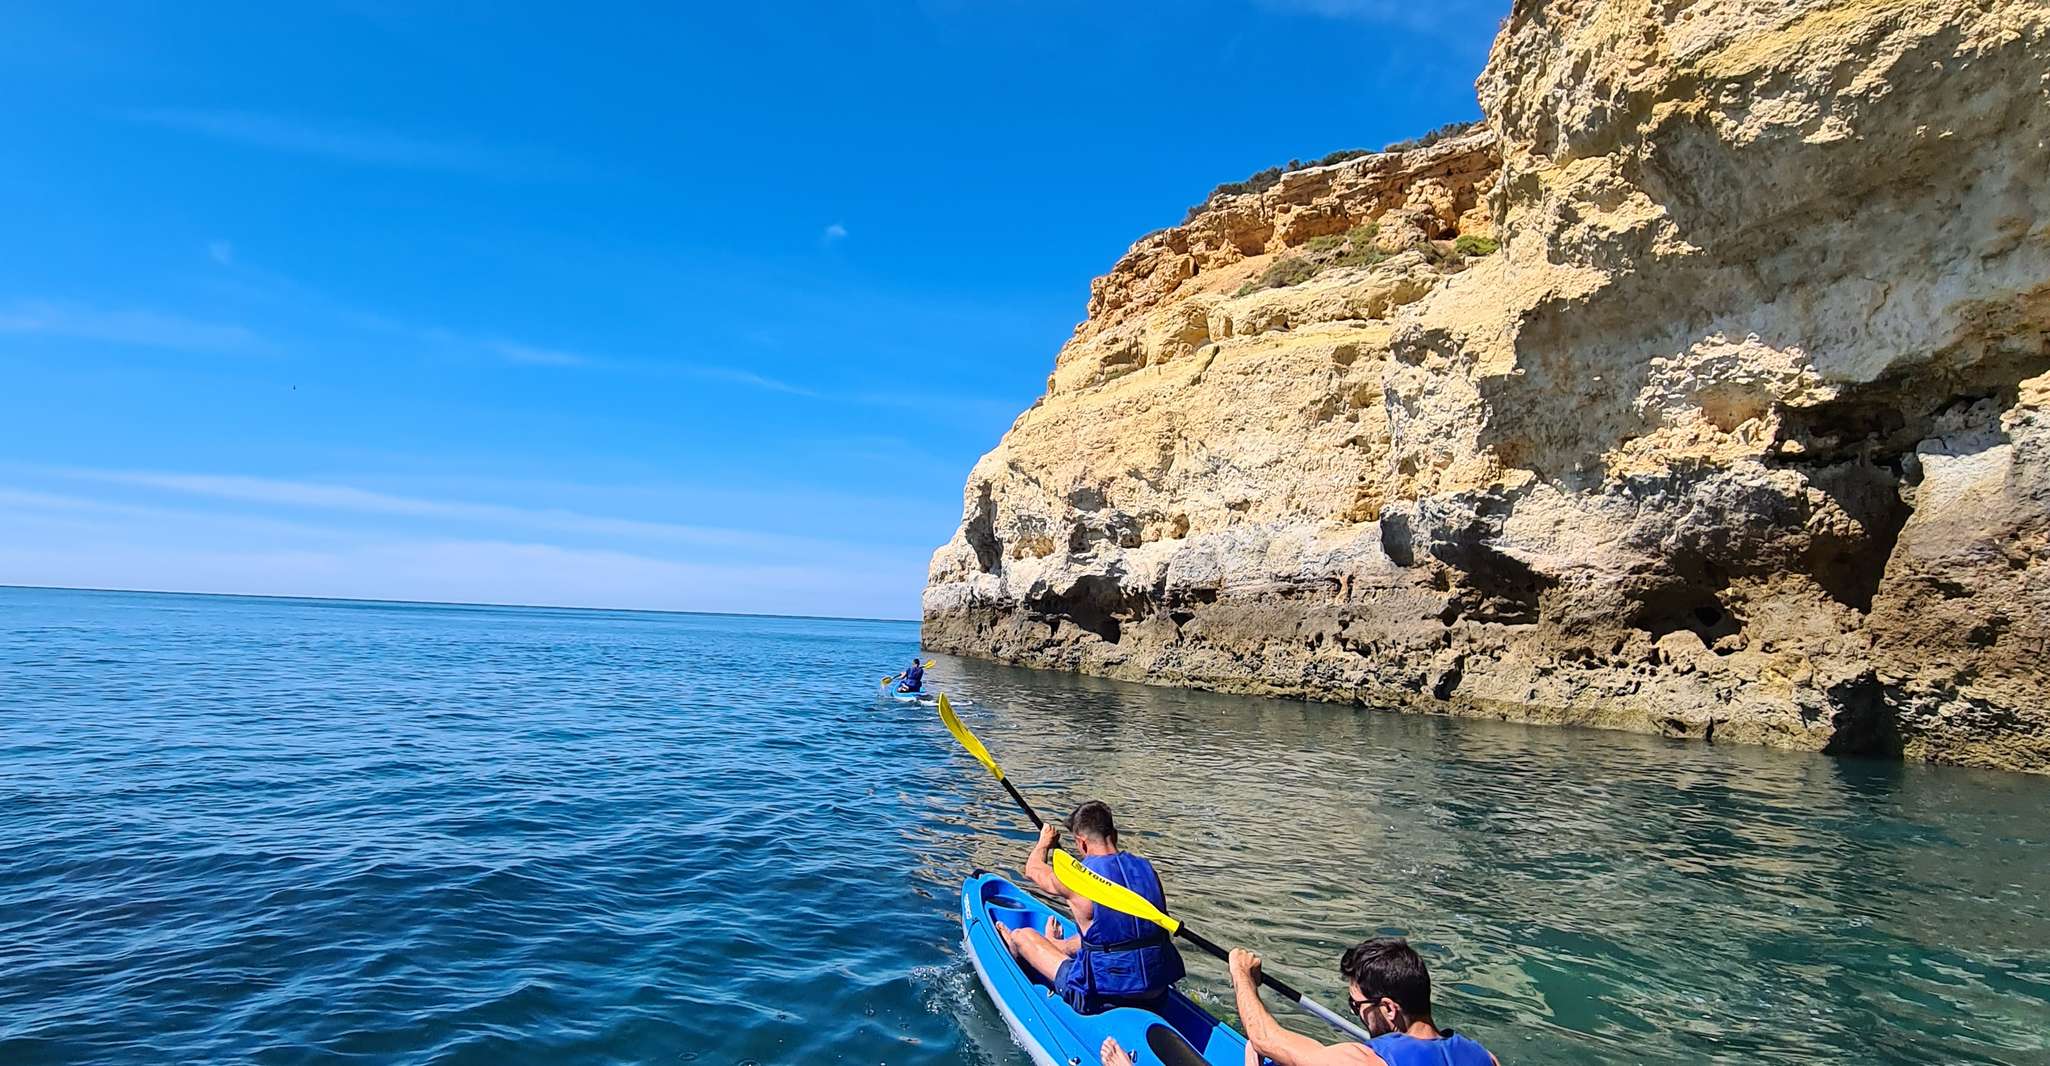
(283, 831)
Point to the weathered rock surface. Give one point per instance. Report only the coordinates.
(1744, 433)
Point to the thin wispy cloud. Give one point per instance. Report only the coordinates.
(22, 504)
(144, 529)
(529, 355)
(464, 345)
(521, 354)
(832, 233)
(56, 539)
(455, 571)
(1371, 10)
(938, 404)
(147, 329)
(324, 313)
(746, 377)
(315, 495)
(1448, 18)
(344, 142)
(449, 343)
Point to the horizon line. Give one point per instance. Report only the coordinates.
(455, 603)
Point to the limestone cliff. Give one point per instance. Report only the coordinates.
(1743, 433)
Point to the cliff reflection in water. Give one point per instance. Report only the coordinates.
(1582, 895)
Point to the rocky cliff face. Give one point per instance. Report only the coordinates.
(1743, 433)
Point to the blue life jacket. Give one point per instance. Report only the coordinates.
(914, 678)
(1122, 957)
(1450, 1049)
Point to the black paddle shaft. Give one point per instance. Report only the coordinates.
(1022, 805)
(1210, 946)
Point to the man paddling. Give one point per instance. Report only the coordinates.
(914, 678)
(1116, 959)
(1390, 992)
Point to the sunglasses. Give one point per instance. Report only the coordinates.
(1359, 1004)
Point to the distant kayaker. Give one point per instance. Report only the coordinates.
(1390, 993)
(1115, 959)
(913, 679)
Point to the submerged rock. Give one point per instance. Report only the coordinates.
(1741, 434)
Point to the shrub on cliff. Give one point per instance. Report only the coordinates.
(1450, 129)
(1353, 248)
(1259, 182)
(1280, 274)
(1342, 155)
(1267, 179)
(1472, 245)
(1359, 247)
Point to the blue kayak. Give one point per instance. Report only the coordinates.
(1176, 1033)
(926, 696)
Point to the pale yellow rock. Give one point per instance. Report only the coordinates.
(1744, 432)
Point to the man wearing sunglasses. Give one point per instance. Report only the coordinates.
(1390, 992)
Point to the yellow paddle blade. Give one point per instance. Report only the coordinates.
(966, 738)
(1097, 889)
(929, 662)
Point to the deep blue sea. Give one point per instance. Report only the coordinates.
(286, 831)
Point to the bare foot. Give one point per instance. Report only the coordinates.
(1113, 1055)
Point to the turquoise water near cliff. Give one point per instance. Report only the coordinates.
(288, 831)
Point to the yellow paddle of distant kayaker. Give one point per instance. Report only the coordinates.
(896, 677)
(1104, 892)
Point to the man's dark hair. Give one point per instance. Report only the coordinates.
(1388, 966)
(1092, 819)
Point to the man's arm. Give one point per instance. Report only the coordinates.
(1270, 1039)
(1039, 871)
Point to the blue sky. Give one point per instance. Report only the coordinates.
(702, 307)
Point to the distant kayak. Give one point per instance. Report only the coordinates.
(926, 697)
(1178, 1033)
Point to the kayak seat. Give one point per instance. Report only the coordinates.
(1011, 917)
(1006, 901)
(1187, 1021)
(1169, 1047)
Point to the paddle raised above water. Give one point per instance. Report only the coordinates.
(1097, 889)
(1100, 890)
